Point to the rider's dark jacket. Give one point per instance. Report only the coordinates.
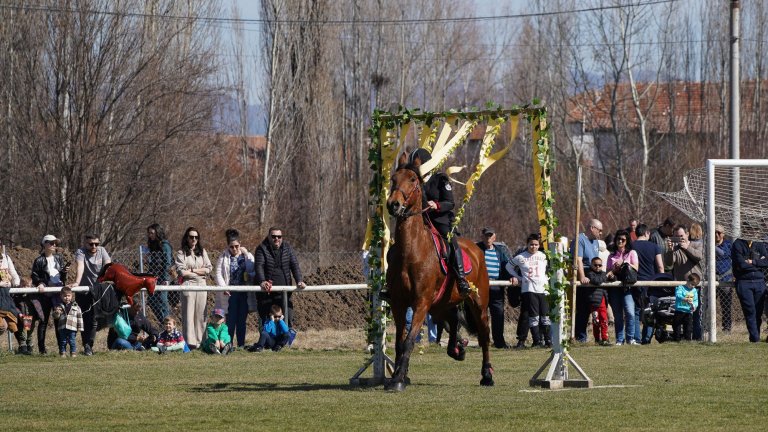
(438, 189)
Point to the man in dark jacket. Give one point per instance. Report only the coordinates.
(438, 197)
(275, 263)
(497, 259)
(750, 259)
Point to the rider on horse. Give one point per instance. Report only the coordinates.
(439, 197)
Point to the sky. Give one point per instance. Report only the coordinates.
(249, 9)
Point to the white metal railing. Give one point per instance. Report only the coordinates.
(315, 288)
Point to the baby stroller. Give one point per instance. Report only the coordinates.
(659, 315)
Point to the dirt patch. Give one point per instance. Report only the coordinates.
(332, 309)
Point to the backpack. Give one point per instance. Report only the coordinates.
(627, 274)
(105, 303)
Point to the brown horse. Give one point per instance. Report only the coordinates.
(414, 278)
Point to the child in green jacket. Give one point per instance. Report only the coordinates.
(217, 339)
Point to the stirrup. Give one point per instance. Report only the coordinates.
(463, 286)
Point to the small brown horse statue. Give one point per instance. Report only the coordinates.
(414, 278)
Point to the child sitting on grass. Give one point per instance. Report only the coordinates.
(217, 339)
(686, 302)
(170, 339)
(69, 319)
(275, 334)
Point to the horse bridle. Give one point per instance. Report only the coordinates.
(407, 197)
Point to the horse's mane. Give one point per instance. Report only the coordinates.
(415, 169)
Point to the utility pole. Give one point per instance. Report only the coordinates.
(735, 119)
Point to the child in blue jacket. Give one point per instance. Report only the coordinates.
(275, 333)
(686, 302)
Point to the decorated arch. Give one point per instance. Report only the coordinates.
(443, 133)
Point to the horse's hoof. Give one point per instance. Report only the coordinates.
(487, 373)
(486, 381)
(395, 386)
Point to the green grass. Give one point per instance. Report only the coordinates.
(672, 387)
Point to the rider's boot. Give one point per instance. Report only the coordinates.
(458, 265)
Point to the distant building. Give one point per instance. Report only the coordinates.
(675, 110)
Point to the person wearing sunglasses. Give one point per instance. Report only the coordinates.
(620, 298)
(194, 266)
(48, 270)
(588, 247)
(235, 266)
(89, 259)
(275, 264)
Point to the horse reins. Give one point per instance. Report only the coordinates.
(407, 198)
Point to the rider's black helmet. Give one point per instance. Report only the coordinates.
(421, 153)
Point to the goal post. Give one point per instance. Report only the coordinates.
(731, 193)
(747, 217)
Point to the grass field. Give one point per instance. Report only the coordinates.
(671, 387)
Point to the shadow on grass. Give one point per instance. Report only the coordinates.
(259, 387)
(303, 387)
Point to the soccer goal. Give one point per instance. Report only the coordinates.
(732, 193)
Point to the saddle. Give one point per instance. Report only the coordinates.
(441, 248)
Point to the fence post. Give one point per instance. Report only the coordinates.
(143, 291)
(285, 309)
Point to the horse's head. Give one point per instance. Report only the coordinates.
(405, 195)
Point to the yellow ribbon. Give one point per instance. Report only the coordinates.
(425, 136)
(440, 153)
(485, 161)
(445, 133)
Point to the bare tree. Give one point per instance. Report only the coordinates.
(103, 102)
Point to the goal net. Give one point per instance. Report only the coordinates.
(740, 193)
(729, 195)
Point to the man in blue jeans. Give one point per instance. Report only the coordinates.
(649, 264)
(588, 248)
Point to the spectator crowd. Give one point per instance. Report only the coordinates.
(220, 332)
(631, 255)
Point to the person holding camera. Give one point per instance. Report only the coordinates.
(48, 270)
(685, 257)
(750, 259)
(274, 333)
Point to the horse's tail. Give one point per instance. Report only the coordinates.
(466, 320)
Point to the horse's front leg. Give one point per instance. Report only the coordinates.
(400, 378)
(480, 315)
(398, 315)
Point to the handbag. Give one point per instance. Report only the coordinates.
(121, 324)
(627, 274)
